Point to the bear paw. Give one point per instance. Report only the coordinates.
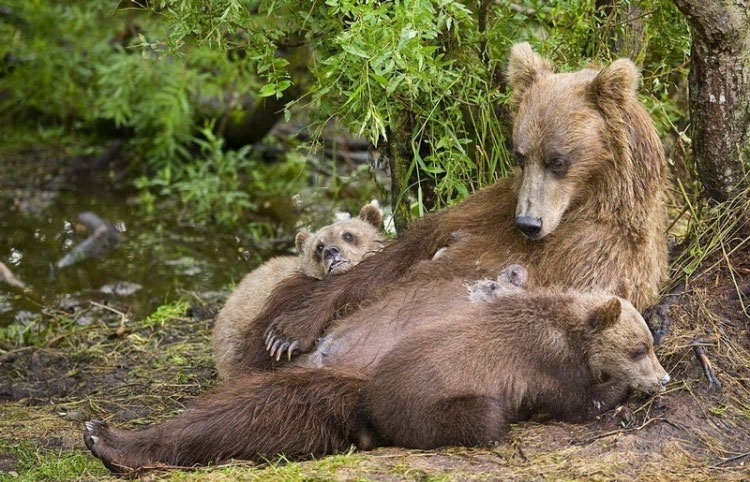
(99, 439)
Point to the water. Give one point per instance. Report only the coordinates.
(158, 260)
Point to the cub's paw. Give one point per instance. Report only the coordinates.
(280, 345)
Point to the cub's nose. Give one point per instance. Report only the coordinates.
(529, 226)
(331, 252)
(665, 380)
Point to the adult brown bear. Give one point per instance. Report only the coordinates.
(586, 213)
(588, 205)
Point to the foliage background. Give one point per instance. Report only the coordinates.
(424, 74)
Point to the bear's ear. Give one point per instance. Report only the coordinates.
(299, 240)
(524, 68)
(371, 214)
(616, 83)
(605, 315)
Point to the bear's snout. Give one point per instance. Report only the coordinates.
(665, 380)
(530, 226)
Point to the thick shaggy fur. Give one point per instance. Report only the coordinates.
(602, 229)
(237, 319)
(460, 381)
(356, 343)
(603, 219)
(296, 412)
(433, 390)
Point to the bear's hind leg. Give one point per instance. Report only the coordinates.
(295, 412)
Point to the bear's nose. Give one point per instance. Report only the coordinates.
(530, 226)
(666, 379)
(330, 252)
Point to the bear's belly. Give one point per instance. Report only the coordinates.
(359, 341)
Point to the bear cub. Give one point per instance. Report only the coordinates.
(331, 250)
(568, 355)
(512, 279)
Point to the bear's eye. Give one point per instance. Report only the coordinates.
(558, 166)
(638, 352)
(348, 237)
(319, 248)
(518, 157)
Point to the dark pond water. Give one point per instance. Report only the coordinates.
(157, 261)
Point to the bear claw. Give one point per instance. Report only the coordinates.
(292, 348)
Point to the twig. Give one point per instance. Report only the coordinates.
(700, 354)
(122, 329)
(11, 355)
(731, 459)
(621, 431)
(657, 316)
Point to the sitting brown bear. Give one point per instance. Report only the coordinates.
(585, 212)
(461, 381)
(332, 250)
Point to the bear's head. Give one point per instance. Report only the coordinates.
(336, 248)
(511, 280)
(620, 347)
(563, 133)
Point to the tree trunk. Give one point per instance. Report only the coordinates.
(253, 126)
(719, 91)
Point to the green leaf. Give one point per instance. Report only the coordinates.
(267, 90)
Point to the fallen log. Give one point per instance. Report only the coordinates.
(104, 238)
(7, 275)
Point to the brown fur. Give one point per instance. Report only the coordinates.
(461, 380)
(235, 320)
(603, 220)
(513, 279)
(356, 343)
(444, 393)
(606, 221)
(296, 412)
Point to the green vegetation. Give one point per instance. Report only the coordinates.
(34, 464)
(420, 79)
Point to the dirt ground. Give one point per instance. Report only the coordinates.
(134, 373)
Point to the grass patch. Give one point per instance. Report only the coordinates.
(35, 463)
(166, 313)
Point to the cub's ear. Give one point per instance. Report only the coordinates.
(299, 240)
(371, 214)
(605, 315)
(524, 68)
(616, 83)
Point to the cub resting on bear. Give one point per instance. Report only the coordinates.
(585, 213)
(332, 250)
(590, 351)
(357, 344)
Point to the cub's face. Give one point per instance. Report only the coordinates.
(622, 348)
(511, 280)
(560, 137)
(336, 248)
